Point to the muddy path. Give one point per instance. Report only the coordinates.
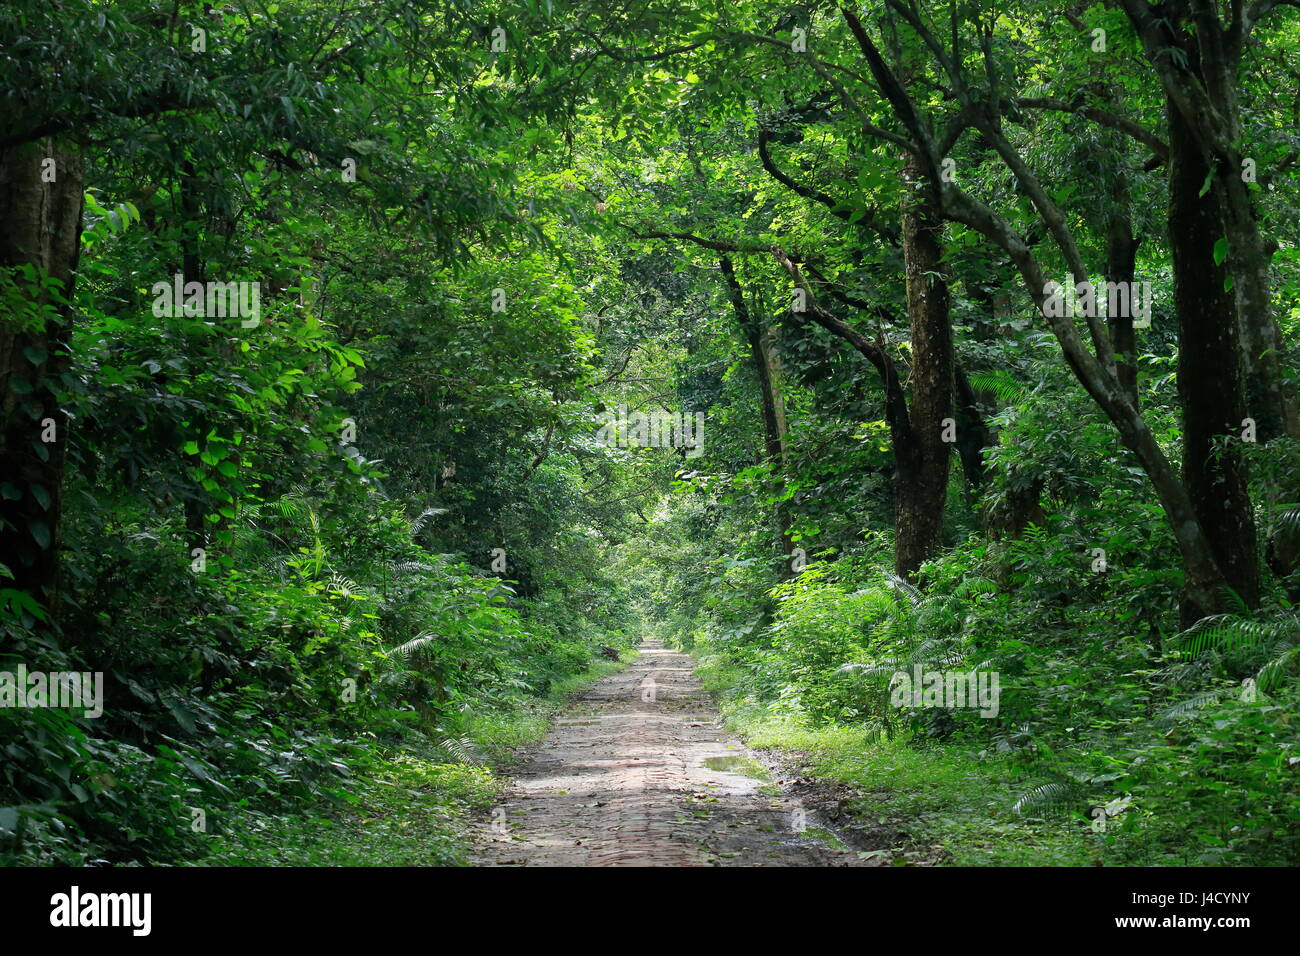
(639, 772)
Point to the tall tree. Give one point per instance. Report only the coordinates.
(41, 201)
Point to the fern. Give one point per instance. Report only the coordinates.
(1223, 632)
(1289, 518)
(1275, 671)
(1049, 798)
(999, 382)
(344, 586)
(906, 589)
(460, 750)
(1189, 707)
(418, 524)
(417, 647)
(972, 586)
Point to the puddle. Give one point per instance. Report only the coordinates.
(745, 766)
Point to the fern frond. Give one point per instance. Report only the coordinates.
(969, 587)
(998, 381)
(1289, 518)
(417, 645)
(1188, 707)
(1275, 671)
(1223, 632)
(345, 586)
(418, 524)
(460, 750)
(1048, 797)
(907, 590)
(878, 669)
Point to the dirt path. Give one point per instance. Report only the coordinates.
(639, 772)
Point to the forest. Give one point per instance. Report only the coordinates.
(842, 435)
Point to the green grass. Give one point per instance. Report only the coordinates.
(412, 812)
(412, 809)
(497, 733)
(928, 796)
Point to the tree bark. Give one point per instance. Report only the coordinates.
(1210, 381)
(1205, 93)
(40, 227)
(921, 481)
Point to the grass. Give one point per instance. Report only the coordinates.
(498, 733)
(412, 809)
(934, 800)
(411, 812)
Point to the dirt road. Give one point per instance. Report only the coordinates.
(639, 772)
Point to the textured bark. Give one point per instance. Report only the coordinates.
(1270, 402)
(921, 481)
(1210, 381)
(40, 226)
(916, 435)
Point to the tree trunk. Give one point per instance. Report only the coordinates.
(1203, 577)
(973, 433)
(921, 481)
(1121, 259)
(770, 400)
(1210, 381)
(1269, 401)
(1205, 91)
(40, 227)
